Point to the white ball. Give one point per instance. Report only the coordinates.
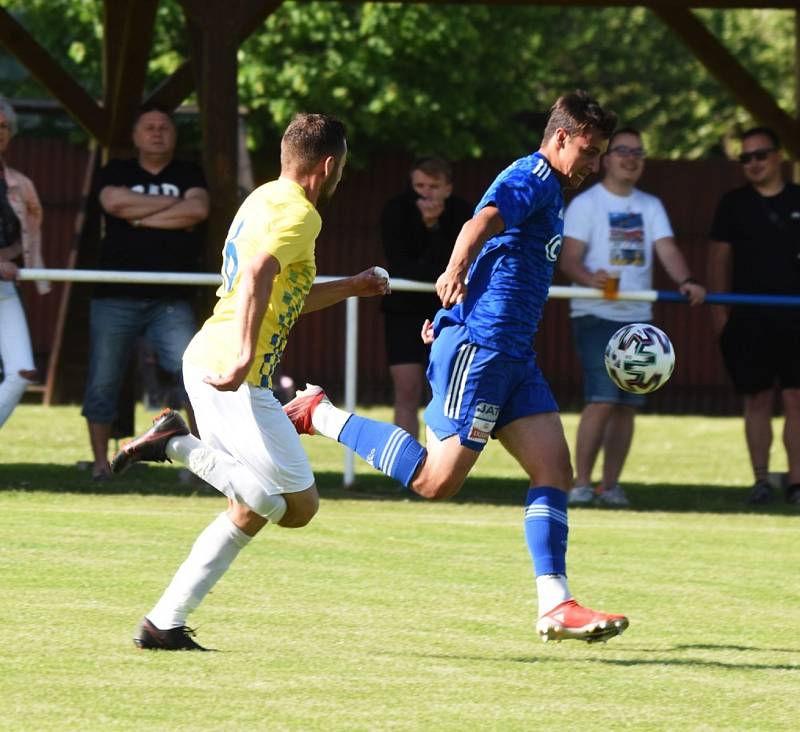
(380, 272)
(640, 358)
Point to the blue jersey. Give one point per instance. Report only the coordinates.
(508, 283)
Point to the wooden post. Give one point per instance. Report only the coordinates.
(214, 40)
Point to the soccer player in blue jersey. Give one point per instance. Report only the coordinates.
(482, 369)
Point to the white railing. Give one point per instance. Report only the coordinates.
(351, 327)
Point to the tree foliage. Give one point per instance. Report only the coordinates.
(466, 80)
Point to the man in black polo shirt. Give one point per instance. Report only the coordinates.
(755, 248)
(151, 205)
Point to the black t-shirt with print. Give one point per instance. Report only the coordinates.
(132, 249)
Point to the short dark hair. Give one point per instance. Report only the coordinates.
(766, 131)
(311, 137)
(623, 131)
(434, 166)
(152, 107)
(577, 111)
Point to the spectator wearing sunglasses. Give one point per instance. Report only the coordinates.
(755, 248)
(614, 229)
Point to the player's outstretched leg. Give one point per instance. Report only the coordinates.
(152, 445)
(386, 447)
(560, 617)
(164, 627)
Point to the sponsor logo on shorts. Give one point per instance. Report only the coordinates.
(489, 412)
(477, 435)
(371, 458)
(484, 421)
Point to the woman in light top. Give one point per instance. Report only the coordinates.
(20, 236)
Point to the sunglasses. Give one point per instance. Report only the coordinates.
(625, 151)
(760, 155)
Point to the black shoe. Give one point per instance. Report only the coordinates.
(150, 638)
(761, 493)
(793, 494)
(152, 444)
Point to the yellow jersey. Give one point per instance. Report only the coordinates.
(276, 218)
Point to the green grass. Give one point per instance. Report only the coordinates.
(386, 614)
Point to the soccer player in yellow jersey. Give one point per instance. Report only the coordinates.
(250, 451)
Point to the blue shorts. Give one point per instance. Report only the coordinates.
(477, 391)
(591, 338)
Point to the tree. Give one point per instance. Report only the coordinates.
(465, 80)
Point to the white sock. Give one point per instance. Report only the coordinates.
(227, 475)
(213, 551)
(552, 590)
(328, 420)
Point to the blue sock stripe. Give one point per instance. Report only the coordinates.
(396, 450)
(389, 447)
(546, 529)
(386, 447)
(538, 511)
(397, 443)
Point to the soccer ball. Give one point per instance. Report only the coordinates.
(639, 358)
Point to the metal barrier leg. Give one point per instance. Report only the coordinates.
(350, 380)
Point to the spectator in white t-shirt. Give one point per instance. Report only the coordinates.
(614, 229)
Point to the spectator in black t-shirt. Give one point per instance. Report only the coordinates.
(418, 230)
(152, 205)
(755, 248)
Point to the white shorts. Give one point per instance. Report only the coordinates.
(250, 425)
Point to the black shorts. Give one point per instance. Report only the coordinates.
(403, 341)
(757, 350)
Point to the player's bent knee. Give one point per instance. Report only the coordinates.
(301, 507)
(438, 490)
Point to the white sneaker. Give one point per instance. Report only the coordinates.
(581, 495)
(614, 497)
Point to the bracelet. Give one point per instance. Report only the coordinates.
(688, 281)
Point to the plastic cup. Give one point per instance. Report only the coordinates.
(611, 288)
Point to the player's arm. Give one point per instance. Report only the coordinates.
(572, 265)
(719, 279)
(671, 257)
(126, 204)
(253, 293)
(451, 287)
(187, 212)
(364, 284)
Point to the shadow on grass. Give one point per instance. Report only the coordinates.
(167, 480)
(664, 659)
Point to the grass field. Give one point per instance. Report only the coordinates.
(386, 614)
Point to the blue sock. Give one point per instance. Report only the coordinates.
(386, 447)
(546, 529)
